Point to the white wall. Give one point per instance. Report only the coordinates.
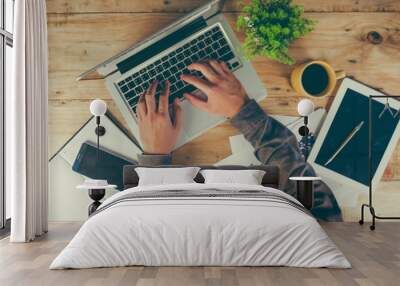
(66, 202)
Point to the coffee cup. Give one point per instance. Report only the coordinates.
(315, 79)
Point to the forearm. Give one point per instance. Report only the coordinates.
(275, 144)
(154, 159)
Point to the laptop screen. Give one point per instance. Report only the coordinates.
(161, 45)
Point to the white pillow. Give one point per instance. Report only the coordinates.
(248, 177)
(163, 176)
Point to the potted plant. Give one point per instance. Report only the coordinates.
(271, 26)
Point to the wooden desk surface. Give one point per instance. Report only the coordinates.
(82, 34)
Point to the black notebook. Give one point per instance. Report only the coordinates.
(101, 164)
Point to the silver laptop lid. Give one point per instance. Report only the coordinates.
(109, 66)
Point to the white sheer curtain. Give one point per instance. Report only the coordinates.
(26, 119)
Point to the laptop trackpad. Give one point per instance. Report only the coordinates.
(196, 122)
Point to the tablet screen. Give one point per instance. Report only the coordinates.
(352, 161)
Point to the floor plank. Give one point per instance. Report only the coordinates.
(375, 257)
(129, 6)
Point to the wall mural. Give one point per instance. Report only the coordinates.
(192, 80)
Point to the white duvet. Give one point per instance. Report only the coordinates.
(200, 231)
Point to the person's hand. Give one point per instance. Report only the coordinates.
(157, 131)
(226, 95)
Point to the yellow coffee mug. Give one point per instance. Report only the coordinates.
(329, 82)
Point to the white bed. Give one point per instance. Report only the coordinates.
(185, 230)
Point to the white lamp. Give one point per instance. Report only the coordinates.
(98, 108)
(305, 108)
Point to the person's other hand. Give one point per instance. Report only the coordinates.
(226, 95)
(157, 131)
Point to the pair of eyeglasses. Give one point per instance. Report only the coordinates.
(387, 108)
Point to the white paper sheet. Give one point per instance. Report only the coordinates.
(114, 140)
(243, 151)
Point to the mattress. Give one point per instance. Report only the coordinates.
(201, 225)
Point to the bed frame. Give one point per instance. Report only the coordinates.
(270, 179)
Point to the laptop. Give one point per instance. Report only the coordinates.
(202, 34)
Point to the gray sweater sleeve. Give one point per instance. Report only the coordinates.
(154, 160)
(275, 144)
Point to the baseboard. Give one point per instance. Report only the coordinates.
(5, 231)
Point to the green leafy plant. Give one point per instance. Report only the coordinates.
(271, 26)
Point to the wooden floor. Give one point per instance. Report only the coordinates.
(375, 257)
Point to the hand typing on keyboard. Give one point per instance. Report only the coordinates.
(226, 95)
(158, 132)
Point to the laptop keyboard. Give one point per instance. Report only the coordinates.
(211, 44)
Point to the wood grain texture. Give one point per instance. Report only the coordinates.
(78, 41)
(375, 258)
(386, 198)
(129, 6)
